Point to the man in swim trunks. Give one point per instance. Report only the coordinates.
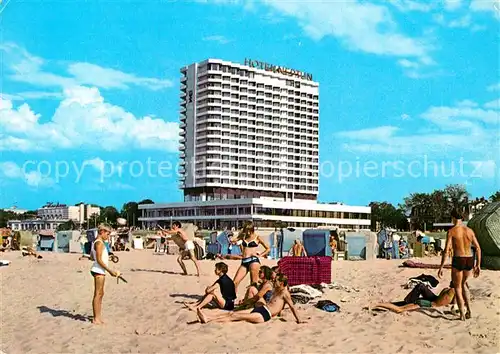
(261, 313)
(188, 250)
(460, 239)
(428, 300)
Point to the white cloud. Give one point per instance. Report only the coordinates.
(405, 116)
(379, 133)
(11, 170)
(94, 75)
(462, 22)
(105, 167)
(111, 186)
(462, 128)
(22, 66)
(467, 103)
(410, 5)
(218, 39)
(452, 5)
(485, 169)
(31, 95)
(97, 163)
(494, 87)
(362, 27)
(83, 120)
(492, 6)
(495, 104)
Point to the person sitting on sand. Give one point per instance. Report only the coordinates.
(222, 291)
(420, 297)
(297, 250)
(261, 313)
(99, 254)
(263, 290)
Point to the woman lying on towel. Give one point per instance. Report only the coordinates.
(420, 297)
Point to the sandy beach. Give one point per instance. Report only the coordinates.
(45, 305)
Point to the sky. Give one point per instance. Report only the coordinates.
(89, 103)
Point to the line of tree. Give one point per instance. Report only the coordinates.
(422, 210)
(109, 214)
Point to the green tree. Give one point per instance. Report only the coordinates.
(109, 214)
(458, 198)
(146, 201)
(130, 212)
(495, 197)
(385, 214)
(68, 225)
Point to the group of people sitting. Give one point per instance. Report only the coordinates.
(263, 299)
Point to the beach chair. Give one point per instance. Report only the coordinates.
(306, 270)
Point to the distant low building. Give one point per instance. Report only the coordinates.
(79, 213)
(15, 210)
(34, 224)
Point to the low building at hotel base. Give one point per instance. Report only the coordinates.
(265, 213)
(249, 150)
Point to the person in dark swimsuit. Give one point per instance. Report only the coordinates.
(261, 291)
(260, 314)
(224, 298)
(250, 262)
(461, 239)
(419, 297)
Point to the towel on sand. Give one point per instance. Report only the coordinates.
(412, 264)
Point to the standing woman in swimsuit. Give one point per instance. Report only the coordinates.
(100, 255)
(250, 262)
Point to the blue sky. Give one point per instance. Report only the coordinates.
(91, 89)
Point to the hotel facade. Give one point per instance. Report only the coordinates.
(249, 150)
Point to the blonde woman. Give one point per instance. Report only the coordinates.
(250, 263)
(99, 254)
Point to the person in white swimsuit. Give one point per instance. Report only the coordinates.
(188, 250)
(99, 254)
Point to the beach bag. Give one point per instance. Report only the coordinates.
(328, 306)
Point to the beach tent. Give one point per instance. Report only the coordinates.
(63, 238)
(317, 242)
(486, 225)
(356, 244)
(223, 241)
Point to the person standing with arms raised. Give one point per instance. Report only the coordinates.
(187, 250)
(460, 239)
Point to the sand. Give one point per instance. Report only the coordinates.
(45, 305)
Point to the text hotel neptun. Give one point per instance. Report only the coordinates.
(278, 69)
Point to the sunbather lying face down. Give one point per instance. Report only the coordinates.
(443, 299)
(260, 313)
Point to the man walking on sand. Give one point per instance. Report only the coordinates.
(188, 250)
(460, 239)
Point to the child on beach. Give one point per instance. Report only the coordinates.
(99, 254)
(261, 313)
(222, 291)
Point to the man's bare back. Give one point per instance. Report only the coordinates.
(460, 240)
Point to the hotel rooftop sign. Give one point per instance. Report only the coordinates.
(278, 69)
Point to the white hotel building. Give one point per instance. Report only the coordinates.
(249, 150)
